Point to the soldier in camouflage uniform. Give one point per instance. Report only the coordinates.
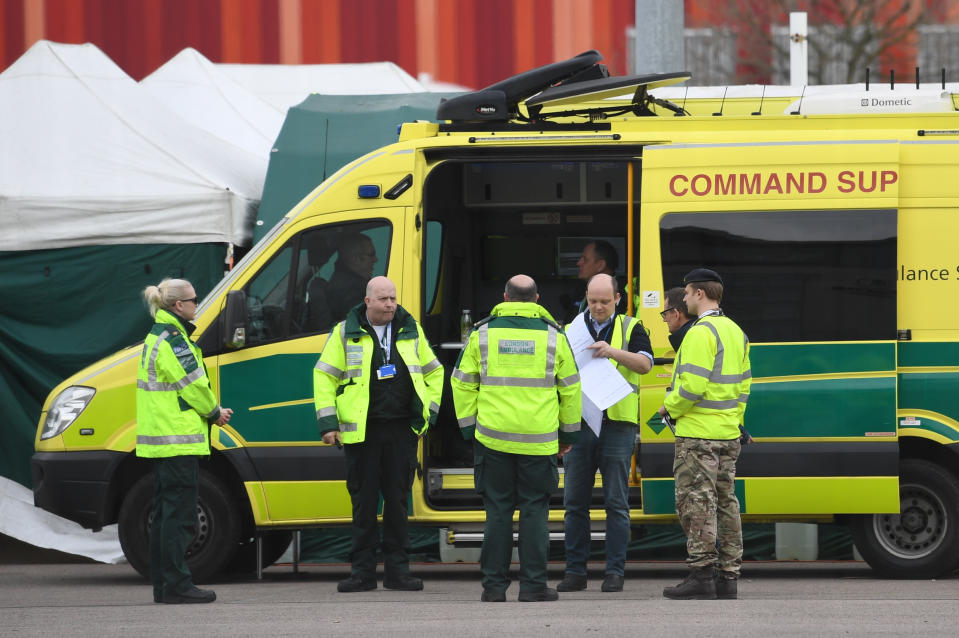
(707, 401)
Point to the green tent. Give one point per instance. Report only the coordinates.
(326, 132)
(64, 309)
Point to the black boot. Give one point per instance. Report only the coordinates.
(726, 587)
(698, 585)
(572, 582)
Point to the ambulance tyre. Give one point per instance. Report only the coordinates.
(217, 532)
(922, 541)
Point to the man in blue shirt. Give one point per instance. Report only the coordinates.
(624, 341)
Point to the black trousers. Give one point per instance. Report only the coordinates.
(380, 466)
(175, 493)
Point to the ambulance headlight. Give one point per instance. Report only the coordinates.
(65, 409)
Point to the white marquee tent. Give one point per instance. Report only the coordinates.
(90, 158)
(203, 94)
(286, 85)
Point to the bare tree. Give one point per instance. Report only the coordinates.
(845, 36)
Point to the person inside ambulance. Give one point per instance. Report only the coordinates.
(599, 256)
(354, 268)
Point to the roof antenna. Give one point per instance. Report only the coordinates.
(761, 98)
(723, 102)
(917, 78)
(892, 79)
(867, 78)
(799, 106)
(943, 71)
(684, 103)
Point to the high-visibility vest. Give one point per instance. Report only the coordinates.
(711, 380)
(175, 402)
(627, 409)
(516, 382)
(341, 378)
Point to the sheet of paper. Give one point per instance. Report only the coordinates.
(592, 415)
(601, 383)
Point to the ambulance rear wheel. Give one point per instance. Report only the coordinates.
(214, 542)
(922, 540)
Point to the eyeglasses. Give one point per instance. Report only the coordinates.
(663, 313)
(194, 300)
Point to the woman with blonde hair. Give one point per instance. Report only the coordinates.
(175, 408)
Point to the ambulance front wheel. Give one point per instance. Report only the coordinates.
(922, 540)
(214, 543)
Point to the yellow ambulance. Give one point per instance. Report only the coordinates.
(832, 219)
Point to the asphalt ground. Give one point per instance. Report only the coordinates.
(776, 599)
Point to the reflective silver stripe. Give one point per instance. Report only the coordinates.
(686, 394)
(717, 376)
(212, 412)
(570, 427)
(331, 370)
(350, 374)
(743, 398)
(546, 437)
(551, 354)
(465, 377)
(570, 380)
(434, 406)
(349, 427)
(152, 363)
(343, 336)
(484, 349)
(627, 320)
(720, 355)
(329, 411)
(467, 421)
(190, 378)
(518, 382)
(717, 405)
(635, 388)
(748, 374)
(170, 439)
(416, 369)
(156, 386)
(697, 370)
(432, 365)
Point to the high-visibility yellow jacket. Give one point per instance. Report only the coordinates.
(516, 386)
(710, 387)
(341, 378)
(627, 409)
(175, 403)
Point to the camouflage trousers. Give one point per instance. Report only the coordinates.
(705, 473)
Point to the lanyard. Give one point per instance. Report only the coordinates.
(385, 343)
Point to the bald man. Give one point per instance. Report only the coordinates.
(623, 341)
(377, 387)
(516, 390)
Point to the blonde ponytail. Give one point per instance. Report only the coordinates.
(165, 294)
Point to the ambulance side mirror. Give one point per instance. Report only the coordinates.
(236, 320)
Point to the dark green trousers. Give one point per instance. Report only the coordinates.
(175, 492)
(507, 482)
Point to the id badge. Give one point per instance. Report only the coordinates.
(386, 372)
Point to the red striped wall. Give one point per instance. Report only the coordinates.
(470, 42)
